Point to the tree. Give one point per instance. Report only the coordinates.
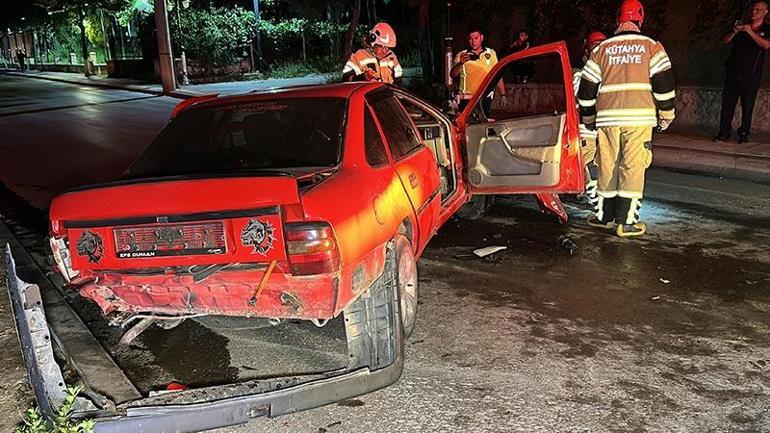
(347, 46)
(76, 10)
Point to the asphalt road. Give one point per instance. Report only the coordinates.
(54, 136)
(667, 333)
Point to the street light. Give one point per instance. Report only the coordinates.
(182, 56)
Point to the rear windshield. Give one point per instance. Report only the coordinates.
(264, 135)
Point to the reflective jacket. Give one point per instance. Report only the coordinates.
(627, 81)
(387, 69)
(585, 133)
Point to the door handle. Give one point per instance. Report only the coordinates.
(413, 180)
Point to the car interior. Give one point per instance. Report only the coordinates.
(434, 132)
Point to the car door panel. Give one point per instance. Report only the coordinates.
(527, 150)
(537, 154)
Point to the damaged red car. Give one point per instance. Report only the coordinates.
(307, 203)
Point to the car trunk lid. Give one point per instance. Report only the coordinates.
(177, 222)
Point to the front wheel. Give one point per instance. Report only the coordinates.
(476, 207)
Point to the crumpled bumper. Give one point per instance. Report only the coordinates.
(192, 410)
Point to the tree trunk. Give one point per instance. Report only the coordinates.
(304, 49)
(347, 47)
(374, 12)
(426, 58)
(84, 43)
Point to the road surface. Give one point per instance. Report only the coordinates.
(666, 333)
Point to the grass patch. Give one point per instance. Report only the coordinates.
(318, 65)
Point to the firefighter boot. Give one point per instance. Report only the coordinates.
(630, 230)
(627, 217)
(605, 213)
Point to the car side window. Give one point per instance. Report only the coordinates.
(373, 145)
(534, 87)
(397, 127)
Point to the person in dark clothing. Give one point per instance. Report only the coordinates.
(744, 71)
(21, 56)
(521, 72)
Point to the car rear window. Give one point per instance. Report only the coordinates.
(267, 134)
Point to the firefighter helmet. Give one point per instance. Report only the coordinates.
(631, 10)
(382, 34)
(594, 39)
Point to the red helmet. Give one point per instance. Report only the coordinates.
(631, 10)
(382, 34)
(594, 39)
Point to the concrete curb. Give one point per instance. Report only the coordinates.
(710, 162)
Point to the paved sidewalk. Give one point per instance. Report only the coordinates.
(695, 151)
(690, 150)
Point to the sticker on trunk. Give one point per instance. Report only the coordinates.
(259, 235)
(90, 245)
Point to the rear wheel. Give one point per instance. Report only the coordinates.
(407, 283)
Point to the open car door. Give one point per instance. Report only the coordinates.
(527, 141)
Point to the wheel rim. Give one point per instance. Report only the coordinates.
(407, 287)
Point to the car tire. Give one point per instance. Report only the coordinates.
(406, 281)
(476, 207)
(372, 322)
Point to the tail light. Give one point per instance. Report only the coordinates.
(312, 248)
(62, 257)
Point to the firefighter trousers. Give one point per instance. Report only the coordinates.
(589, 156)
(623, 155)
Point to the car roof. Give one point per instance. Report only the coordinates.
(340, 90)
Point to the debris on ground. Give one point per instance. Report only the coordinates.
(567, 246)
(664, 281)
(488, 251)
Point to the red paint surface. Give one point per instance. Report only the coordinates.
(365, 207)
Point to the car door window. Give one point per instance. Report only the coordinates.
(397, 127)
(534, 87)
(373, 146)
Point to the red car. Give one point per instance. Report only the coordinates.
(312, 202)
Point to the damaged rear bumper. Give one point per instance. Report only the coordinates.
(239, 410)
(206, 408)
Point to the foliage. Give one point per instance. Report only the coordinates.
(62, 422)
(62, 40)
(219, 36)
(133, 8)
(409, 59)
(315, 65)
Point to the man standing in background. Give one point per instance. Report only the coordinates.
(588, 137)
(744, 71)
(471, 67)
(376, 62)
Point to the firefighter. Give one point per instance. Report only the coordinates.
(376, 62)
(587, 136)
(626, 89)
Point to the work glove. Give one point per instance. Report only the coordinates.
(590, 126)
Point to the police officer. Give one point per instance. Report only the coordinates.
(744, 71)
(471, 66)
(376, 62)
(588, 136)
(627, 87)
